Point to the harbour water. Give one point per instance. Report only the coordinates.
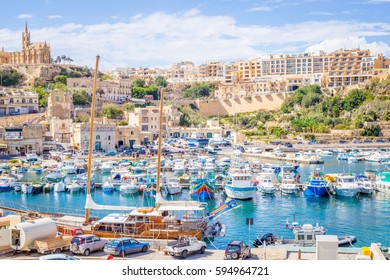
(366, 217)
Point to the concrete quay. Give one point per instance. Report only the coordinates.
(288, 157)
(152, 254)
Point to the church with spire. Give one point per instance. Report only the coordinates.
(32, 53)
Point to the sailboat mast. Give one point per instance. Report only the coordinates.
(91, 136)
(160, 140)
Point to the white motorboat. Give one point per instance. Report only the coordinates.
(129, 188)
(289, 185)
(108, 187)
(239, 186)
(7, 183)
(69, 167)
(106, 167)
(74, 187)
(267, 183)
(346, 185)
(172, 186)
(27, 188)
(366, 186)
(55, 175)
(59, 187)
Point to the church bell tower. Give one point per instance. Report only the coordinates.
(25, 38)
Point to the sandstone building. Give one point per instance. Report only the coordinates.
(32, 53)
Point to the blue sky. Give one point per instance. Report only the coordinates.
(152, 33)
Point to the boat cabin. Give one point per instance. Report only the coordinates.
(306, 235)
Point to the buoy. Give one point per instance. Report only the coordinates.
(110, 257)
(287, 223)
(140, 188)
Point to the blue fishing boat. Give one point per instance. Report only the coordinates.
(317, 185)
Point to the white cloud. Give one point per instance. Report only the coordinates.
(161, 39)
(378, 1)
(261, 9)
(23, 16)
(329, 45)
(322, 14)
(54, 16)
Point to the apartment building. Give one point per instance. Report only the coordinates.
(104, 136)
(15, 102)
(108, 90)
(350, 67)
(21, 140)
(147, 119)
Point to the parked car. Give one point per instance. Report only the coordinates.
(237, 250)
(312, 142)
(288, 145)
(356, 141)
(323, 142)
(367, 140)
(256, 150)
(58, 257)
(185, 245)
(343, 141)
(123, 246)
(380, 141)
(86, 243)
(111, 154)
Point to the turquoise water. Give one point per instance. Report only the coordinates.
(366, 217)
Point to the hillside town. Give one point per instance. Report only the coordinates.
(263, 83)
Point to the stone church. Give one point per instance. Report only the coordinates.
(32, 53)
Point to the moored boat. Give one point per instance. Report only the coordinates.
(239, 186)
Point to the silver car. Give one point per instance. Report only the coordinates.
(86, 243)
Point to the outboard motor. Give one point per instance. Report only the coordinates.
(267, 239)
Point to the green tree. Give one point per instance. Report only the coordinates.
(112, 112)
(355, 98)
(138, 83)
(43, 96)
(160, 82)
(60, 79)
(198, 90)
(10, 78)
(81, 98)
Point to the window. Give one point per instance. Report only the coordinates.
(57, 98)
(109, 137)
(97, 137)
(310, 237)
(301, 237)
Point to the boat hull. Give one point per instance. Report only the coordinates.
(316, 191)
(239, 192)
(347, 192)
